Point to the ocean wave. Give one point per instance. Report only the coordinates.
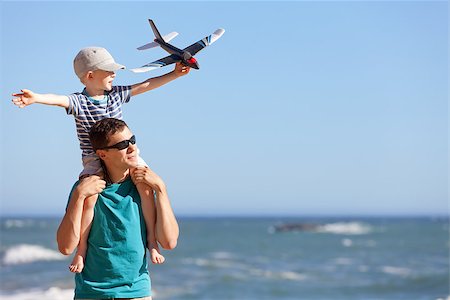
(347, 242)
(343, 261)
(53, 293)
(24, 223)
(284, 275)
(24, 253)
(213, 263)
(349, 228)
(17, 223)
(222, 255)
(396, 271)
(219, 259)
(245, 271)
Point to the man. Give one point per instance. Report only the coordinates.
(116, 264)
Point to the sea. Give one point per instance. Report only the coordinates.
(256, 258)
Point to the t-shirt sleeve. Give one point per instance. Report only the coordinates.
(71, 192)
(74, 104)
(124, 93)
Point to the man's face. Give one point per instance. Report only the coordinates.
(125, 158)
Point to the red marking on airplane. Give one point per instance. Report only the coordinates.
(192, 60)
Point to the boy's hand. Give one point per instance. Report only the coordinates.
(91, 185)
(145, 175)
(25, 98)
(181, 70)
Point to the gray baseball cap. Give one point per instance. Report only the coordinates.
(94, 58)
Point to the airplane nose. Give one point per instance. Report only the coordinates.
(193, 63)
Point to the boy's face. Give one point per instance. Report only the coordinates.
(100, 80)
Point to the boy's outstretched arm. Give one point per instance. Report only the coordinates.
(156, 82)
(27, 97)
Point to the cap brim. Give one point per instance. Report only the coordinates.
(111, 67)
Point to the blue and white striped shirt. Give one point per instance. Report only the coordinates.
(87, 111)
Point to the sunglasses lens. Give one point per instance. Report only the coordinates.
(122, 145)
(125, 144)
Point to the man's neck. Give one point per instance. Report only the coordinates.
(117, 176)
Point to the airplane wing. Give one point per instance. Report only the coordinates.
(166, 38)
(196, 47)
(157, 64)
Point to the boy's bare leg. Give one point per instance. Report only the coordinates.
(77, 264)
(149, 212)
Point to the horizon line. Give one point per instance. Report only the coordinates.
(208, 216)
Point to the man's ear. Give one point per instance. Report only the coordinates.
(101, 153)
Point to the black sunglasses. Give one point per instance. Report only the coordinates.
(121, 145)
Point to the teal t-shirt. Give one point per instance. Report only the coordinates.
(116, 262)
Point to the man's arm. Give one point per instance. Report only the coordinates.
(27, 97)
(167, 230)
(69, 231)
(156, 82)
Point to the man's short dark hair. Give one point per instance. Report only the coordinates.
(102, 130)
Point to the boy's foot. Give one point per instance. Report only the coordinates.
(156, 257)
(77, 264)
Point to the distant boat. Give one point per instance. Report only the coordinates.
(295, 227)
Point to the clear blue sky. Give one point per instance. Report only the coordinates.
(301, 108)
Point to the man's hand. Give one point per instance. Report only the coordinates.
(91, 185)
(181, 70)
(143, 174)
(25, 98)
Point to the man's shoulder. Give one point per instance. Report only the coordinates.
(71, 191)
(74, 186)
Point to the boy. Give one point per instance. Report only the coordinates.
(95, 67)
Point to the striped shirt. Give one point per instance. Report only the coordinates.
(87, 111)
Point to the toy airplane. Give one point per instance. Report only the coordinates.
(186, 56)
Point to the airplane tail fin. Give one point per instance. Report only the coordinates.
(166, 38)
(155, 30)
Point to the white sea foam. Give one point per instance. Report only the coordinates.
(15, 223)
(222, 255)
(348, 228)
(347, 242)
(243, 270)
(286, 275)
(215, 263)
(53, 293)
(396, 270)
(22, 254)
(24, 223)
(343, 261)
